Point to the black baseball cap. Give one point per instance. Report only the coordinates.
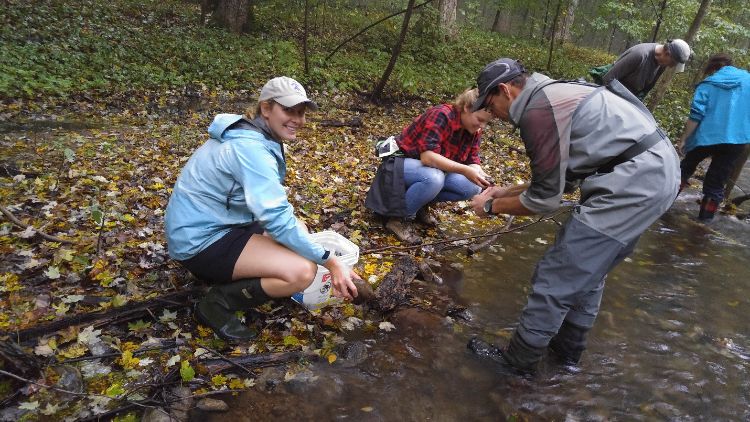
(498, 72)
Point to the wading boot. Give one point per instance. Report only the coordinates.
(519, 356)
(569, 343)
(707, 210)
(218, 308)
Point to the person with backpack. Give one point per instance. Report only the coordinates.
(574, 132)
(437, 160)
(229, 222)
(718, 127)
(639, 67)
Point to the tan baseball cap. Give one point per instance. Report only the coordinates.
(287, 92)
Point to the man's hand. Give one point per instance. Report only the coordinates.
(477, 202)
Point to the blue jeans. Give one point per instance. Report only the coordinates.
(427, 184)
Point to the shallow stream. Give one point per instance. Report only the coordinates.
(672, 342)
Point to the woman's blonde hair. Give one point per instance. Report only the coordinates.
(466, 99)
(254, 110)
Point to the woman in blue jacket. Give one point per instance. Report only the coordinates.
(229, 221)
(718, 127)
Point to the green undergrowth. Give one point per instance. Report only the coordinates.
(61, 48)
(54, 52)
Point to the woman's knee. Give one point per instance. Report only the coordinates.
(301, 274)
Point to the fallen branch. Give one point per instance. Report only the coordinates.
(12, 218)
(355, 122)
(459, 239)
(471, 250)
(255, 361)
(111, 316)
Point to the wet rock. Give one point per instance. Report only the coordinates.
(100, 348)
(365, 293)
(213, 405)
(428, 274)
(156, 414)
(11, 414)
(352, 353)
(183, 402)
(459, 312)
(416, 321)
(301, 382)
(70, 380)
(270, 378)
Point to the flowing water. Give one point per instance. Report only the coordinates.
(672, 342)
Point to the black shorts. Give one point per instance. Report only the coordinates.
(215, 264)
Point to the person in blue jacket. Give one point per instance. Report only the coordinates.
(718, 127)
(229, 222)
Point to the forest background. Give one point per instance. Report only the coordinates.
(102, 102)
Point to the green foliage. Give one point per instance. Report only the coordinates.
(62, 48)
(187, 373)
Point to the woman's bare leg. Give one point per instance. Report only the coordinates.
(282, 271)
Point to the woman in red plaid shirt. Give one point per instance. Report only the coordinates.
(440, 163)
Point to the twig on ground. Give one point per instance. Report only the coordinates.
(458, 239)
(12, 218)
(227, 360)
(471, 250)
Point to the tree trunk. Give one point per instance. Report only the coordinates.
(448, 17)
(378, 91)
(304, 37)
(552, 38)
(496, 22)
(546, 19)
(563, 34)
(611, 38)
(659, 17)
(232, 14)
(666, 77)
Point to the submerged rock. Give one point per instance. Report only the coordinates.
(157, 414)
(70, 380)
(352, 353)
(212, 405)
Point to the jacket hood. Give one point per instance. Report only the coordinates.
(728, 77)
(221, 123)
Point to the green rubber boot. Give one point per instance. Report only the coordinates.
(218, 308)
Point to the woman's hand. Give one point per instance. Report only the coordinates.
(476, 176)
(342, 279)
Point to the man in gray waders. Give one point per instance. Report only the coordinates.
(629, 174)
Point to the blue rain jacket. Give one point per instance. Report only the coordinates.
(721, 106)
(233, 180)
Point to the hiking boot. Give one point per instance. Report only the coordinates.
(707, 210)
(404, 231)
(519, 356)
(218, 309)
(425, 217)
(569, 343)
(684, 184)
